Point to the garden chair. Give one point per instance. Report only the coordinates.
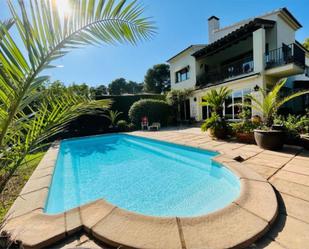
(145, 123)
(154, 126)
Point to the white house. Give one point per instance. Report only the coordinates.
(244, 56)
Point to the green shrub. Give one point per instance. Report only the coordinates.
(154, 110)
(122, 125)
(131, 127)
(294, 124)
(244, 126)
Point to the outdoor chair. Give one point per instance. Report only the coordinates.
(145, 123)
(155, 126)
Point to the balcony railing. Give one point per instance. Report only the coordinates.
(285, 55)
(231, 70)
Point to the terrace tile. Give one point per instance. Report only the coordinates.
(28, 202)
(73, 221)
(265, 159)
(36, 184)
(294, 207)
(291, 188)
(137, 231)
(258, 198)
(244, 172)
(264, 171)
(298, 166)
(92, 213)
(293, 177)
(290, 232)
(223, 229)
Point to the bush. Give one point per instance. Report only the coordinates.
(244, 126)
(154, 110)
(122, 125)
(131, 127)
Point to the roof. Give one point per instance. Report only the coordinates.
(302, 46)
(286, 11)
(186, 49)
(236, 35)
(264, 16)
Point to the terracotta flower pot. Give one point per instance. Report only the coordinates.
(270, 139)
(247, 138)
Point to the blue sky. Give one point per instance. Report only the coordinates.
(180, 23)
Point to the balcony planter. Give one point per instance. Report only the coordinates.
(269, 139)
(245, 137)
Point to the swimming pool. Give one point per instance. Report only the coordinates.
(141, 175)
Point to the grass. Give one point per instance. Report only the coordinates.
(17, 182)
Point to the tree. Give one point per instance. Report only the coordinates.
(306, 43)
(98, 91)
(117, 87)
(176, 98)
(271, 101)
(157, 78)
(81, 90)
(216, 98)
(133, 87)
(46, 35)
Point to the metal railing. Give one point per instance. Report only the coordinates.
(286, 54)
(231, 70)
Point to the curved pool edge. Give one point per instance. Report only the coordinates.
(237, 225)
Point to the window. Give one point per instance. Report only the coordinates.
(232, 105)
(182, 74)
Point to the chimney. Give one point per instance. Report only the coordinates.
(213, 24)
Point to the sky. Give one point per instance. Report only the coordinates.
(180, 23)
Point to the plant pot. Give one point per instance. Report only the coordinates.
(305, 141)
(216, 133)
(247, 138)
(269, 140)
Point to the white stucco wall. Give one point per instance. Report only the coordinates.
(181, 61)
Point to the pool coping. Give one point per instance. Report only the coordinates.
(235, 226)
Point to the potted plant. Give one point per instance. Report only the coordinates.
(244, 130)
(266, 136)
(216, 125)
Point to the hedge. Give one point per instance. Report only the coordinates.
(154, 110)
(124, 102)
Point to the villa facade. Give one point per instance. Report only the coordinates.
(245, 56)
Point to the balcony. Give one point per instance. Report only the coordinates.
(229, 71)
(285, 61)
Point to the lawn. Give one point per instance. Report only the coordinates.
(17, 182)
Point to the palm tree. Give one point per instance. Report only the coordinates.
(271, 101)
(215, 99)
(113, 116)
(28, 115)
(177, 98)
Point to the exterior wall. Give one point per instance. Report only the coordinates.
(184, 60)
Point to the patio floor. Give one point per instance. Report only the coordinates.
(287, 171)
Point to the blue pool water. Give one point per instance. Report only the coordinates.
(141, 175)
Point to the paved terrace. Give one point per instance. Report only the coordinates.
(287, 171)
